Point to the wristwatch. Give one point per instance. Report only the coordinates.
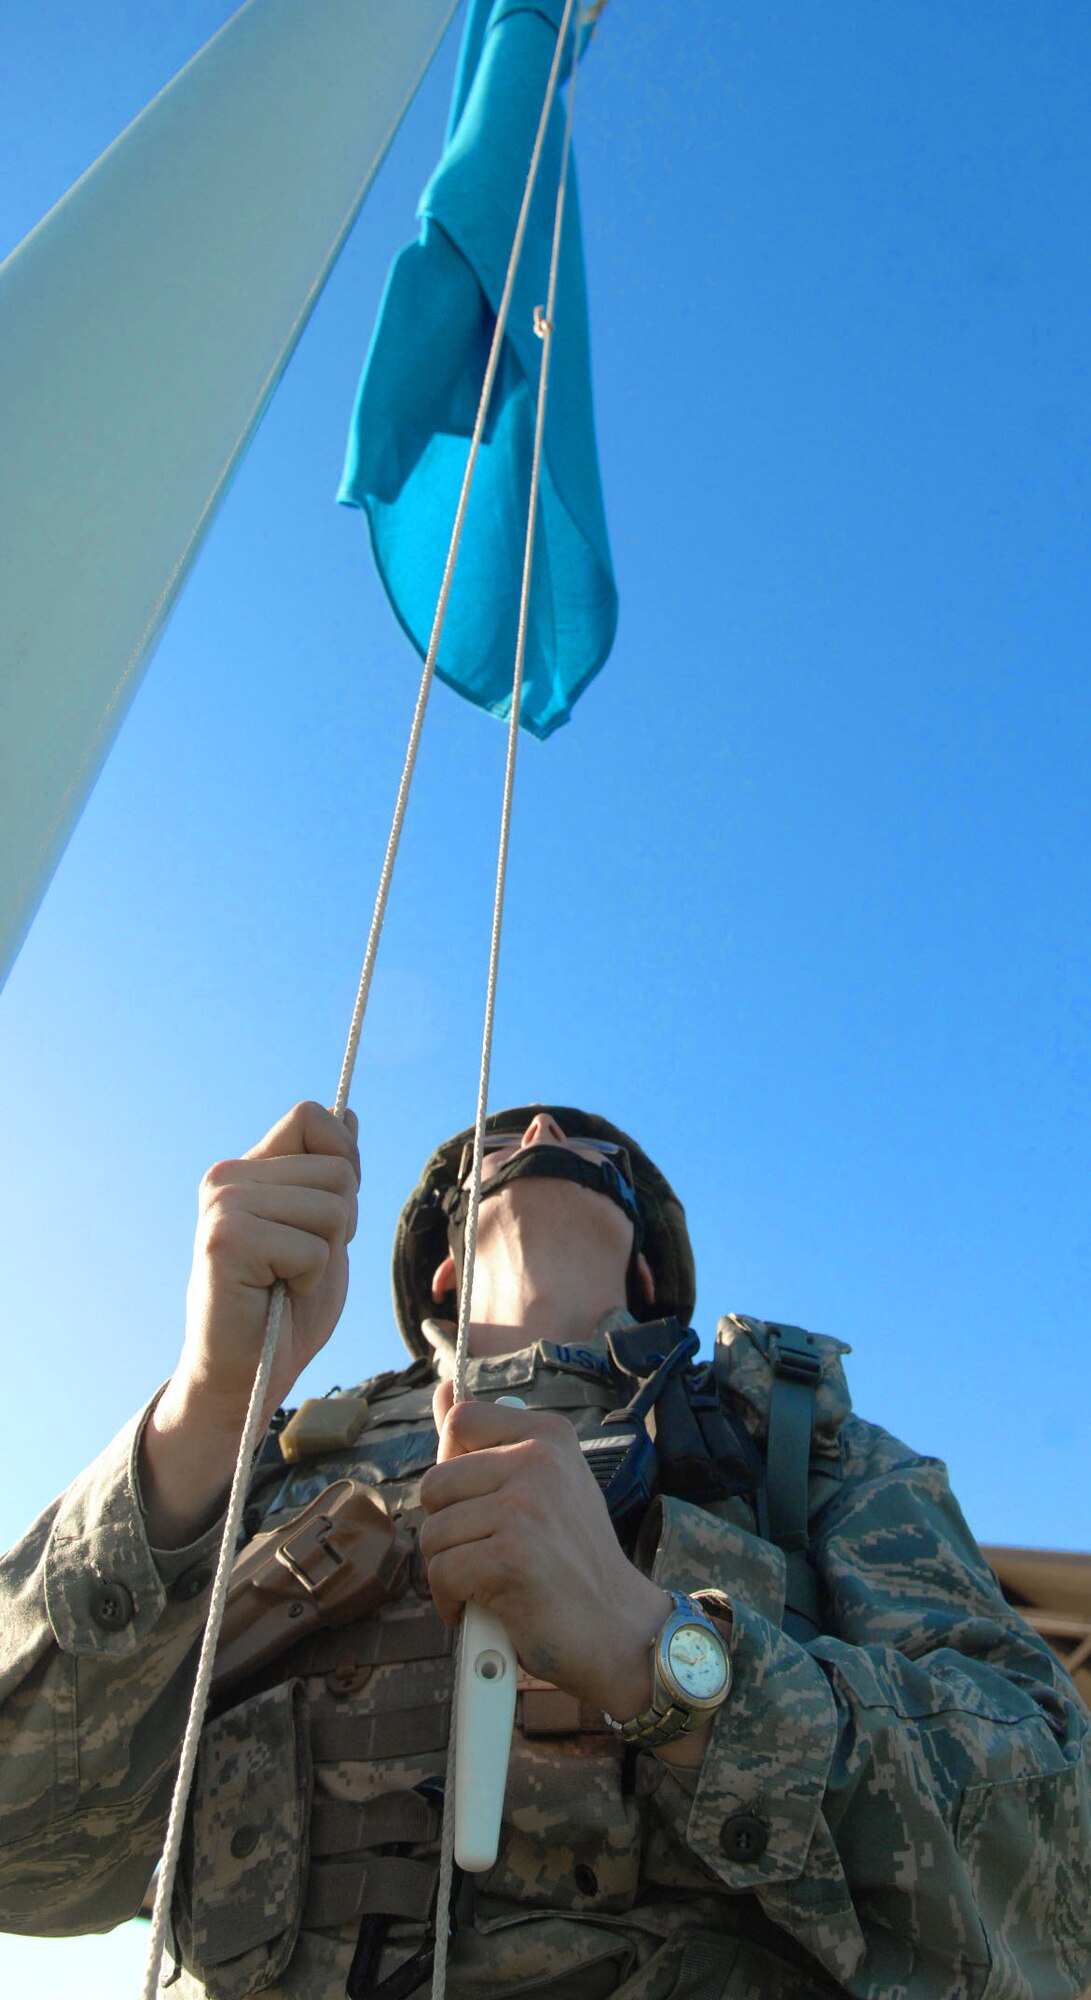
(692, 1677)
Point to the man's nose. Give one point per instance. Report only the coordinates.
(543, 1130)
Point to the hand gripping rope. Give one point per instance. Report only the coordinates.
(484, 1656)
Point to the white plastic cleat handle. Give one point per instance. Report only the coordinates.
(485, 1713)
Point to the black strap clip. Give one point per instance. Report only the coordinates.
(794, 1354)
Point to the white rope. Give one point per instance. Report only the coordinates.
(248, 1444)
(544, 326)
(250, 1437)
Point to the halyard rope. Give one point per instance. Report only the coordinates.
(544, 326)
(249, 1441)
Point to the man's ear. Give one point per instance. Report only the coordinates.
(445, 1279)
(647, 1282)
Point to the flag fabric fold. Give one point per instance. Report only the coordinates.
(418, 396)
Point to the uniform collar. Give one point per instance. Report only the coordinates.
(442, 1342)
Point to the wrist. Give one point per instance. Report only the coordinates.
(194, 1404)
(690, 1674)
(622, 1681)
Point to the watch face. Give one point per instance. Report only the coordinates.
(697, 1659)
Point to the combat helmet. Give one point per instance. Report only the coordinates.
(421, 1238)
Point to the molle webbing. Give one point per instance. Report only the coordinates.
(398, 1732)
(372, 1642)
(338, 1826)
(383, 1885)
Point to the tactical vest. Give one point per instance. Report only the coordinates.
(313, 1831)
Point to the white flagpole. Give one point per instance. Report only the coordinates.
(144, 324)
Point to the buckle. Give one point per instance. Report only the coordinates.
(311, 1557)
(794, 1354)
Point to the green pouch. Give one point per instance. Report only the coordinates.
(239, 1902)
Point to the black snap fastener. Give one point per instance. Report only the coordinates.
(243, 1841)
(111, 1606)
(744, 1837)
(587, 1882)
(192, 1582)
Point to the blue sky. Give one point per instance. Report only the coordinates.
(800, 896)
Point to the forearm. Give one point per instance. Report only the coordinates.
(98, 1640)
(186, 1462)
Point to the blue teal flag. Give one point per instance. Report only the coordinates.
(418, 397)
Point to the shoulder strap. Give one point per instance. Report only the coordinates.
(797, 1366)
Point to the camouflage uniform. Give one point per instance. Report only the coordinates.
(899, 1808)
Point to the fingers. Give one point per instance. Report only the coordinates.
(473, 1550)
(275, 1251)
(458, 1574)
(466, 1477)
(310, 1170)
(321, 1213)
(474, 1426)
(310, 1128)
(443, 1396)
(277, 1219)
(470, 1521)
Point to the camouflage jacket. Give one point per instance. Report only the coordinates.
(898, 1808)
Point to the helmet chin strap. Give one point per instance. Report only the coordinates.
(555, 1163)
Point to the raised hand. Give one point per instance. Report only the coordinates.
(285, 1210)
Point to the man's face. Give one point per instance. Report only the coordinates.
(550, 1216)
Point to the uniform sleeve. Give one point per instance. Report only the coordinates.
(908, 1797)
(99, 1636)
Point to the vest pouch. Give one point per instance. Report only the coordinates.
(239, 1901)
(708, 1965)
(571, 1834)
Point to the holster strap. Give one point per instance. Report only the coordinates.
(385, 1885)
(339, 1826)
(399, 1732)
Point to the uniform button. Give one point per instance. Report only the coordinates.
(744, 1837)
(191, 1582)
(587, 1882)
(111, 1606)
(243, 1841)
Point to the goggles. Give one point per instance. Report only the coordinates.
(612, 1160)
